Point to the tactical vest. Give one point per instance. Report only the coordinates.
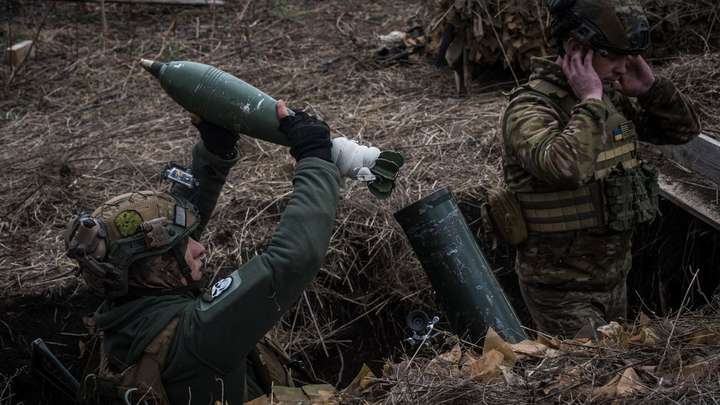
(623, 191)
(104, 381)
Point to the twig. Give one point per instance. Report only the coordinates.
(677, 317)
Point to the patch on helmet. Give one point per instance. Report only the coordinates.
(220, 286)
(128, 223)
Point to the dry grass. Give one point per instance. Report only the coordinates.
(83, 122)
(698, 76)
(678, 366)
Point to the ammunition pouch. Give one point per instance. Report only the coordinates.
(625, 198)
(632, 197)
(506, 216)
(140, 383)
(563, 211)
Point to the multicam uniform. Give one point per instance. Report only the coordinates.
(574, 169)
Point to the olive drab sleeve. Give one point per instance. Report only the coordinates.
(211, 171)
(663, 116)
(562, 156)
(227, 322)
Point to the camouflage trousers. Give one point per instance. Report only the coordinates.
(574, 279)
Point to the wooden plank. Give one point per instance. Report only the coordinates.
(176, 2)
(701, 155)
(16, 54)
(689, 199)
(179, 2)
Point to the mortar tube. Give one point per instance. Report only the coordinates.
(460, 274)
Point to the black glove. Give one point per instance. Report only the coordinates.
(218, 140)
(308, 136)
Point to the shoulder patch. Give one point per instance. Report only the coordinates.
(220, 287)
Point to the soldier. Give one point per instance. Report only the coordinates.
(163, 342)
(571, 161)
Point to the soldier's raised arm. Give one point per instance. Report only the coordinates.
(212, 158)
(557, 149)
(225, 324)
(662, 114)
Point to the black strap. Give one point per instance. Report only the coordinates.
(179, 252)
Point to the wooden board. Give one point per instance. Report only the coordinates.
(16, 54)
(702, 156)
(177, 2)
(691, 200)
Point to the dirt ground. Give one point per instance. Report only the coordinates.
(81, 122)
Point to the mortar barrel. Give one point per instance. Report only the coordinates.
(458, 271)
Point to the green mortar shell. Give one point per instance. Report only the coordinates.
(221, 98)
(459, 273)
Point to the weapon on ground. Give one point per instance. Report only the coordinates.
(457, 268)
(224, 100)
(46, 365)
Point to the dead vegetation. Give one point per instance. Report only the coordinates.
(667, 360)
(82, 122)
(509, 33)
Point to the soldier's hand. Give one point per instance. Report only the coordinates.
(218, 140)
(581, 74)
(308, 136)
(639, 77)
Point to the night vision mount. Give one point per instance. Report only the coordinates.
(180, 175)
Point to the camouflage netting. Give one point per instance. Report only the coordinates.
(511, 32)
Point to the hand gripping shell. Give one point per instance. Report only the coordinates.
(224, 100)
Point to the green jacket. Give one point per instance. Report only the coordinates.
(207, 360)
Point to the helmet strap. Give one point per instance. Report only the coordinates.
(179, 252)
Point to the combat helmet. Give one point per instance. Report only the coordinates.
(125, 229)
(618, 26)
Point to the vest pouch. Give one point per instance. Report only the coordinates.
(620, 188)
(646, 200)
(506, 215)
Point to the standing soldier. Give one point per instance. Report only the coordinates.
(161, 342)
(571, 161)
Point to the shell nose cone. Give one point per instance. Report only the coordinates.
(152, 66)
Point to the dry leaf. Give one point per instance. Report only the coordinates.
(364, 379)
(613, 329)
(484, 369)
(530, 348)
(453, 356)
(644, 319)
(321, 394)
(551, 342)
(493, 341)
(630, 383)
(647, 336)
(608, 390)
(511, 378)
(446, 364)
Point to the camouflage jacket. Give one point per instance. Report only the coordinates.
(546, 149)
